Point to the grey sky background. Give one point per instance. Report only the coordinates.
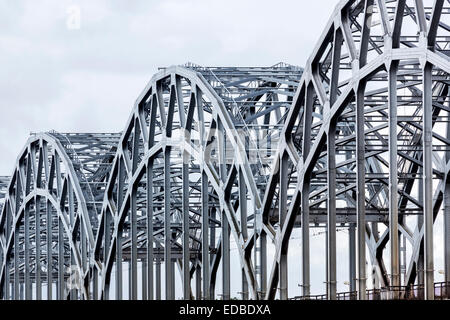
(87, 79)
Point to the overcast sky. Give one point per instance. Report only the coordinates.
(55, 75)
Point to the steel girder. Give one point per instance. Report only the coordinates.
(353, 140)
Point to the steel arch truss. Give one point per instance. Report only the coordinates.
(180, 173)
(353, 148)
(362, 142)
(45, 225)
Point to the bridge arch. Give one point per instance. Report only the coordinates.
(44, 208)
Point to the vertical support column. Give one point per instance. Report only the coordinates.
(119, 281)
(168, 263)
(403, 261)
(212, 240)
(133, 226)
(95, 283)
(282, 205)
(107, 243)
(144, 278)
(38, 248)
(447, 221)
(2, 284)
(198, 283)
(133, 214)
(360, 191)
(186, 251)
(61, 271)
(307, 122)
(205, 231)
(16, 263)
(244, 293)
(225, 226)
(420, 260)
(243, 204)
(263, 262)
(61, 283)
(331, 170)
(19, 190)
(393, 178)
(158, 273)
(331, 217)
(7, 287)
(352, 257)
(150, 239)
(243, 220)
(71, 219)
(428, 180)
(84, 261)
(130, 285)
(26, 264)
(21, 290)
(49, 251)
(360, 153)
(225, 258)
(305, 241)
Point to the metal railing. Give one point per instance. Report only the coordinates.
(442, 290)
(414, 292)
(351, 295)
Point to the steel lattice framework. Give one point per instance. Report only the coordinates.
(216, 159)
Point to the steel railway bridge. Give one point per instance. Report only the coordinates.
(217, 166)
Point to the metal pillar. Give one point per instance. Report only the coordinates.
(226, 258)
(158, 274)
(447, 218)
(283, 268)
(331, 222)
(186, 252)
(428, 180)
(150, 239)
(393, 179)
(352, 257)
(263, 263)
(360, 192)
(205, 238)
(307, 122)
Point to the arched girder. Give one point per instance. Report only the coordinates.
(44, 180)
(159, 126)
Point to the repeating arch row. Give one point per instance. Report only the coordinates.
(362, 142)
